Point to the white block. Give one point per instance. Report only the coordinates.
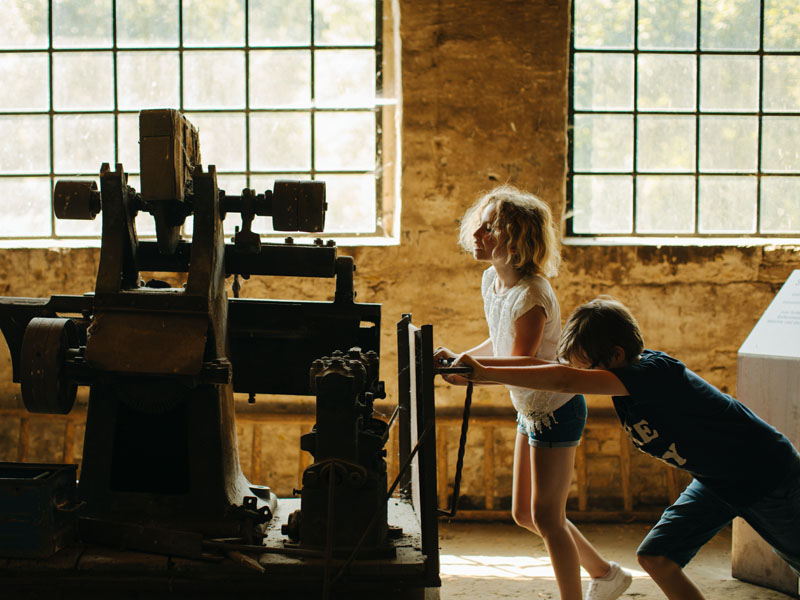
(769, 384)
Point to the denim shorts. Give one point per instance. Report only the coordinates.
(565, 430)
(699, 513)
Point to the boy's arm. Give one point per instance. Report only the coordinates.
(552, 377)
(511, 361)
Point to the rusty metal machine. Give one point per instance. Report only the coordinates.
(160, 470)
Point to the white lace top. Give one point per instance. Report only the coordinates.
(535, 407)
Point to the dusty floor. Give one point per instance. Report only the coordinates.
(490, 560)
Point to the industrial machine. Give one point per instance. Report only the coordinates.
(160, 471)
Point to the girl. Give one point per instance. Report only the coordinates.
(514, 232)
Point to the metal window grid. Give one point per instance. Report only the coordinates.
(312, 173)
(635, 52)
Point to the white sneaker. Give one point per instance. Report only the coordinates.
(610, 586)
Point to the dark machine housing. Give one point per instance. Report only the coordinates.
(160, 470)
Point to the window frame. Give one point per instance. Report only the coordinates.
(385, 226)
(695, 237)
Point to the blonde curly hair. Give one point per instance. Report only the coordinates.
(524, 223)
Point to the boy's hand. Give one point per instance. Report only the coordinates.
(465, 360)
(447, 358)
(455, 379)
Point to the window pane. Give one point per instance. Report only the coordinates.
(351, 203)
(26, 144)
(727, 205)
(602, 204)
(83, 81)
(222, 139)
(664, 204)
(603, 143)
(280, 22)
(344, 141)
(128, 142)
(729, 83)
(25, 205)
(145, 24)
(82, 143)
(665, 144)
(603, 81)
(280, 78)
(344, 22)
(213, 79)
(280, 141)
(82, 24)
(780, 146)
(667, 24)
(604, 24)
(218, 23)
(781, 25)
(24, 24)
(344, 78)
(147, 80)
(782, 83)
(666, 82)
(730, 25)
(729, 144)
(780, 205)
(29, 92)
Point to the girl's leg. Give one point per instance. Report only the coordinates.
(521, 507)
(591, 559)
(521, 485)
(551, 475)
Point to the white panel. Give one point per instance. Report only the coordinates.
(768, 384)
(777, 333)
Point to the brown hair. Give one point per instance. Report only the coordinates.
(524, 223)
(595, 329)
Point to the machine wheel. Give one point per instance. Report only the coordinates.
(44, 350)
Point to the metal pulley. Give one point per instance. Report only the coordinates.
(44, 352)
(76, 199)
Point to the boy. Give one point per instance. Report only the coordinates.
(741, 465)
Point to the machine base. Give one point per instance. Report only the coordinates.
(86, 572)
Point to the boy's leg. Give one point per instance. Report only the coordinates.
(692, 520)
(670, 577)
(776, 518)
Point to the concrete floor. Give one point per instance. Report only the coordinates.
(491, 560)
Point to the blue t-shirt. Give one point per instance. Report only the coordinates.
(675, 416)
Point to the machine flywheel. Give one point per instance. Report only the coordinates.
(44, 352)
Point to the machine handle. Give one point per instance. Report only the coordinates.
(462, 446)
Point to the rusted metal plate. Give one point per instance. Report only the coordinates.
(147, 343)
(134, 536)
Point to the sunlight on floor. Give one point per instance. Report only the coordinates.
(504, 567)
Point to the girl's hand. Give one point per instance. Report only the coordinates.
(442, 355)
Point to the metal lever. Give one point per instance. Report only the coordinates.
(462, 446)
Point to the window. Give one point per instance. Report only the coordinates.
(277, 88)
(685, 118)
